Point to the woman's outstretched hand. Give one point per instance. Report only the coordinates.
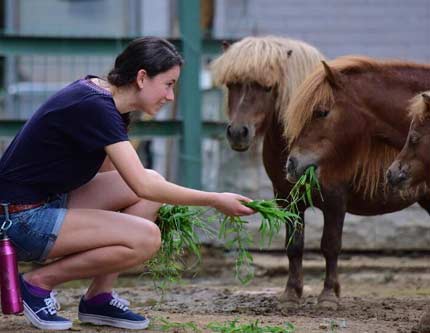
(230, 204)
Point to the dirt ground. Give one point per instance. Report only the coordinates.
(379, 294)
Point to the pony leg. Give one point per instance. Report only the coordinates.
(294, 288)
(331, 243)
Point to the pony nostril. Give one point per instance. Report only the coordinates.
(229, 131)
(396, 178)
(291, 164)
(245, 131)
(402, 176)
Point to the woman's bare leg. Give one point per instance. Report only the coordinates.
(104, 283)
(89, 238)
(94, 242)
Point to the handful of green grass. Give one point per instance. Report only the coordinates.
(178, 226)
(272, 219)
(302, 193)
(302, 189)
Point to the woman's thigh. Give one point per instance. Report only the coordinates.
(106, 191)
(92, 219)
(86, 229)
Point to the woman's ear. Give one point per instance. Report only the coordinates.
(141, 77)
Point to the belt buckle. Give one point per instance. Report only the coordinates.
(7, 223)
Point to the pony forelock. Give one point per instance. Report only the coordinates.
(270, 61)
(417, 107)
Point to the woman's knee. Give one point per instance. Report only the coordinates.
(147, 241)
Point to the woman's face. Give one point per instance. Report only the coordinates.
(156, 91)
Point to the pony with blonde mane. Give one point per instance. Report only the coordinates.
(349, 119)
(261, 75)
(412, 166)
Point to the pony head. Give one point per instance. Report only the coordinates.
(326, 125)
(411, 167)
(260, 74)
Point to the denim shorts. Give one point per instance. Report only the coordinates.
(34, 231)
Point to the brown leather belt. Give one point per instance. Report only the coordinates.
(16, 208)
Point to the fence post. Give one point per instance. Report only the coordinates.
(190, 162)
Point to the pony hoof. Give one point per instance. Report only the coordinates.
(289, 302)
(328, 304)
(290, 305)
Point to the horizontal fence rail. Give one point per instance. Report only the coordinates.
(139, 129)
(11, 44)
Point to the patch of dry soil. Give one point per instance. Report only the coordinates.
(380, 294)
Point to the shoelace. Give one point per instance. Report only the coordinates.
(119, 302)
(52, 305)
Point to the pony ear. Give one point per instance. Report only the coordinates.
(225, 45)
(332, 75)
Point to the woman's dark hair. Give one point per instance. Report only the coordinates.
(154, 55)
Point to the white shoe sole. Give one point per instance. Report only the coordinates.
(42, 324)
(108, 321)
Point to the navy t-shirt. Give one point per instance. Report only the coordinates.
(61, 147)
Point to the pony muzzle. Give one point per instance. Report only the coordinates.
(239, 137)
(396, 177)
(297, 165)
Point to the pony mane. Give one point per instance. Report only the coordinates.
(417, 107)
(367, 172)
(316, 90)
(266, 61)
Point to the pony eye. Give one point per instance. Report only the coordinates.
(321, 113)
(267, 89)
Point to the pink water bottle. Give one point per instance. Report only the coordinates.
(11, 300)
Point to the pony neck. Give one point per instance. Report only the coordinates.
(386, 99)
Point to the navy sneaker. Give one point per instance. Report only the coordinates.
(42, 311)
(113, 313)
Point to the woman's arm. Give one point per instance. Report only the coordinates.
(147, 186)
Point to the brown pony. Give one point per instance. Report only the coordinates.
(412, 165)
(349, 119)
(261, 75)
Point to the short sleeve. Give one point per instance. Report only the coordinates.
(95, 123)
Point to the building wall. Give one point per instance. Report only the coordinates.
(378, 28)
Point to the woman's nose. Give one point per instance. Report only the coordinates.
(170, 95)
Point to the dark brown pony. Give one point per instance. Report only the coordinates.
(261, 74)
(412, 165)
(350, 119)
